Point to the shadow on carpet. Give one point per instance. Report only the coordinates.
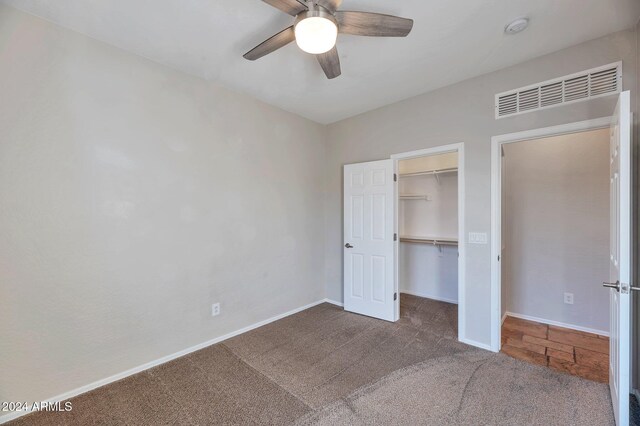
(476, 387)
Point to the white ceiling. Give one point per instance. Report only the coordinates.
(452, 40)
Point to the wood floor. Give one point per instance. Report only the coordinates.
(575, 352)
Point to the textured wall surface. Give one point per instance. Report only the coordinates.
(426, 270)
(134, 197)
(556, 233)
(464, 112)
(429, 271)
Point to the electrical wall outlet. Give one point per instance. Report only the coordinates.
(215, 309)
(568, 298)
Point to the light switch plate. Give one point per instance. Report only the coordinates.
(478, 238)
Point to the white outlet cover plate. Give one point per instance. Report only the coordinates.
(215, 309)
(568, 298)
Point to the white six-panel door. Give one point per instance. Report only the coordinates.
(369, 264)
(620, 258)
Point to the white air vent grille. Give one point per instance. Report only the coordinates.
(593, 83)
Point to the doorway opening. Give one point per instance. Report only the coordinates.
(429, 218)
(619, 206)
(433, 181)
(555, 252)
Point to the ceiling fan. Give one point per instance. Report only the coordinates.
(316, 29)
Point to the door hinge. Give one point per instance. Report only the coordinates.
(395, 237)
(395, 296)
(395, 177)
(498, 258)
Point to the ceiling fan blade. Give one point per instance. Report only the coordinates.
(331, 5)
(373, 24)
(272, 44)
(330, 63)
(292, 7)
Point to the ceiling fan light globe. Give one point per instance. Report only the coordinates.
(316, 34)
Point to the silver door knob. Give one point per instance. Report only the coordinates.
(615, 285)
(348, 245)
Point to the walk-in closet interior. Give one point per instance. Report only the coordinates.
(555, 230)
(428, 225)
(555, 252)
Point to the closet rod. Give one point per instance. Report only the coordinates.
(430, 241)
(430, 172)
(424, 197)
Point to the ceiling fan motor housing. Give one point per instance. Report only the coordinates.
(315, 11)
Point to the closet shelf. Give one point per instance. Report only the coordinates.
(435, 173)
(430, 172)
(429, 240)
(424, 197)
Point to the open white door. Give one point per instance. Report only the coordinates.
(369, 262)
(620, 258)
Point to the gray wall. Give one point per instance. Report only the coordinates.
(144, 195)
(423, 269)
(556, 228)
(464, 113)
(133, 197)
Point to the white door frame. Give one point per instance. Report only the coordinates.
(443, 149)
(496, 203)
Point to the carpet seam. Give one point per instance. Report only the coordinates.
(329, 335)
(267, 377)
(466, 386)
(350, 365)
(418, 331)
(403, 370)
(167, 390)
(285, 344)
(356, 393)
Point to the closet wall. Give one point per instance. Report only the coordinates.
(556, 229)
(428, 209)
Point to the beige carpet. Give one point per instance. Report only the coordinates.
(327, 366)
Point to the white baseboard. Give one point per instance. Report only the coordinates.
(558, 323)
(504, 317)
(334, 302)
(476, 344)
(427, 296)
(102, 382)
